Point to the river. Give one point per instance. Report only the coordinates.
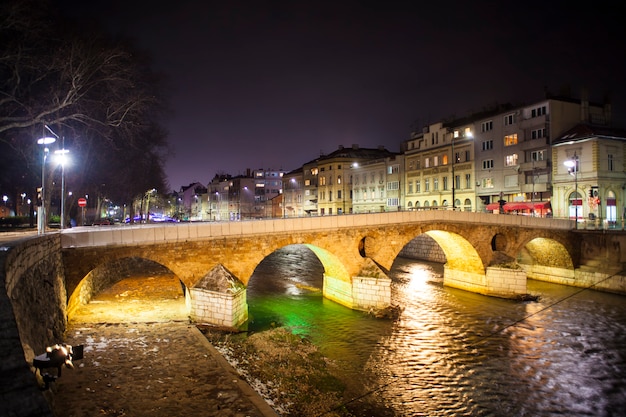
(452, 352)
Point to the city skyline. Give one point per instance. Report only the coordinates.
(274, 84)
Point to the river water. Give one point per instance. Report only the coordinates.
(455, 353)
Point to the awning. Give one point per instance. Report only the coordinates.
(520, 205)
(527, 205)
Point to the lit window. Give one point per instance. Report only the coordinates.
(510, 140)
(511, 160)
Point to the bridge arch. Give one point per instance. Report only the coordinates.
(109, 273)
(460, 253)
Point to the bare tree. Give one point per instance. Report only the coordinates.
(99, 95)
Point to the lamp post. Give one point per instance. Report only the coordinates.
(41, 216)
(61, 154)
(453, 176)
(572, 165)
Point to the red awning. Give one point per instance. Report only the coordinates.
(520, 205)
(527, 205)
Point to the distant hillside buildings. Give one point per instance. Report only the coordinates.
(559, 156)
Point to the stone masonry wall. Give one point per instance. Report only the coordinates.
(423, 248)
(221, 309)
(32, 312)
(371, 292)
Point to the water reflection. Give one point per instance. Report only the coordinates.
(453, 352)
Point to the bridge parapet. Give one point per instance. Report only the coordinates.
(182, 232)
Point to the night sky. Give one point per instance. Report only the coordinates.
(272, 84)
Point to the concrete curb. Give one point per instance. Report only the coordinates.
(243, 386)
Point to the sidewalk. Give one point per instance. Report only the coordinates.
(151, 369)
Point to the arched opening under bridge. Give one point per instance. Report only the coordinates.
(128, 290)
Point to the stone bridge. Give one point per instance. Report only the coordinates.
(485, 253)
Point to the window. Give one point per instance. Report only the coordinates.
(487, 183)
(538, 133)
(436, 184)
(307, 182)
(537, 155)
(393, 185)
(392, 202)
(487, 145)
(338, 179)
(444, 160)
(338, 194)
(427, 162)
(509, 119)
(610, 162)
(427, 185)
(435, 161)
(486, 126)
(322, 180)
(468, 181)
(418, 186)
(410, 188)
(511, 180)
(445, 183)
(488, 164)
(393, 169)
(456, 134)
(510, 160)
(510, 140)
(539, 111)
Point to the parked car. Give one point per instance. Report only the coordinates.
(105, 221)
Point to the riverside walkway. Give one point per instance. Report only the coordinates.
(159, 369)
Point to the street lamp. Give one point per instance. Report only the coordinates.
(61, 155)
(572, 169)
(41, 215)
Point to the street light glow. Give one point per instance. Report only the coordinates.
(46, 140)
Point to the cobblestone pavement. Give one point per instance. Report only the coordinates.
(151, 369)
(154, 363)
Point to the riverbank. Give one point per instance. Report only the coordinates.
(292, 375)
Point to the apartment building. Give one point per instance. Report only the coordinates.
(334, 171)
(498, 160)
(439, 167)
(268, 184)
(377, 185)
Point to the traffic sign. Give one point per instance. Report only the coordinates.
(82, 202)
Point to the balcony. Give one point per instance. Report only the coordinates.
(534, 166)
(534, 143)
(535, 122)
